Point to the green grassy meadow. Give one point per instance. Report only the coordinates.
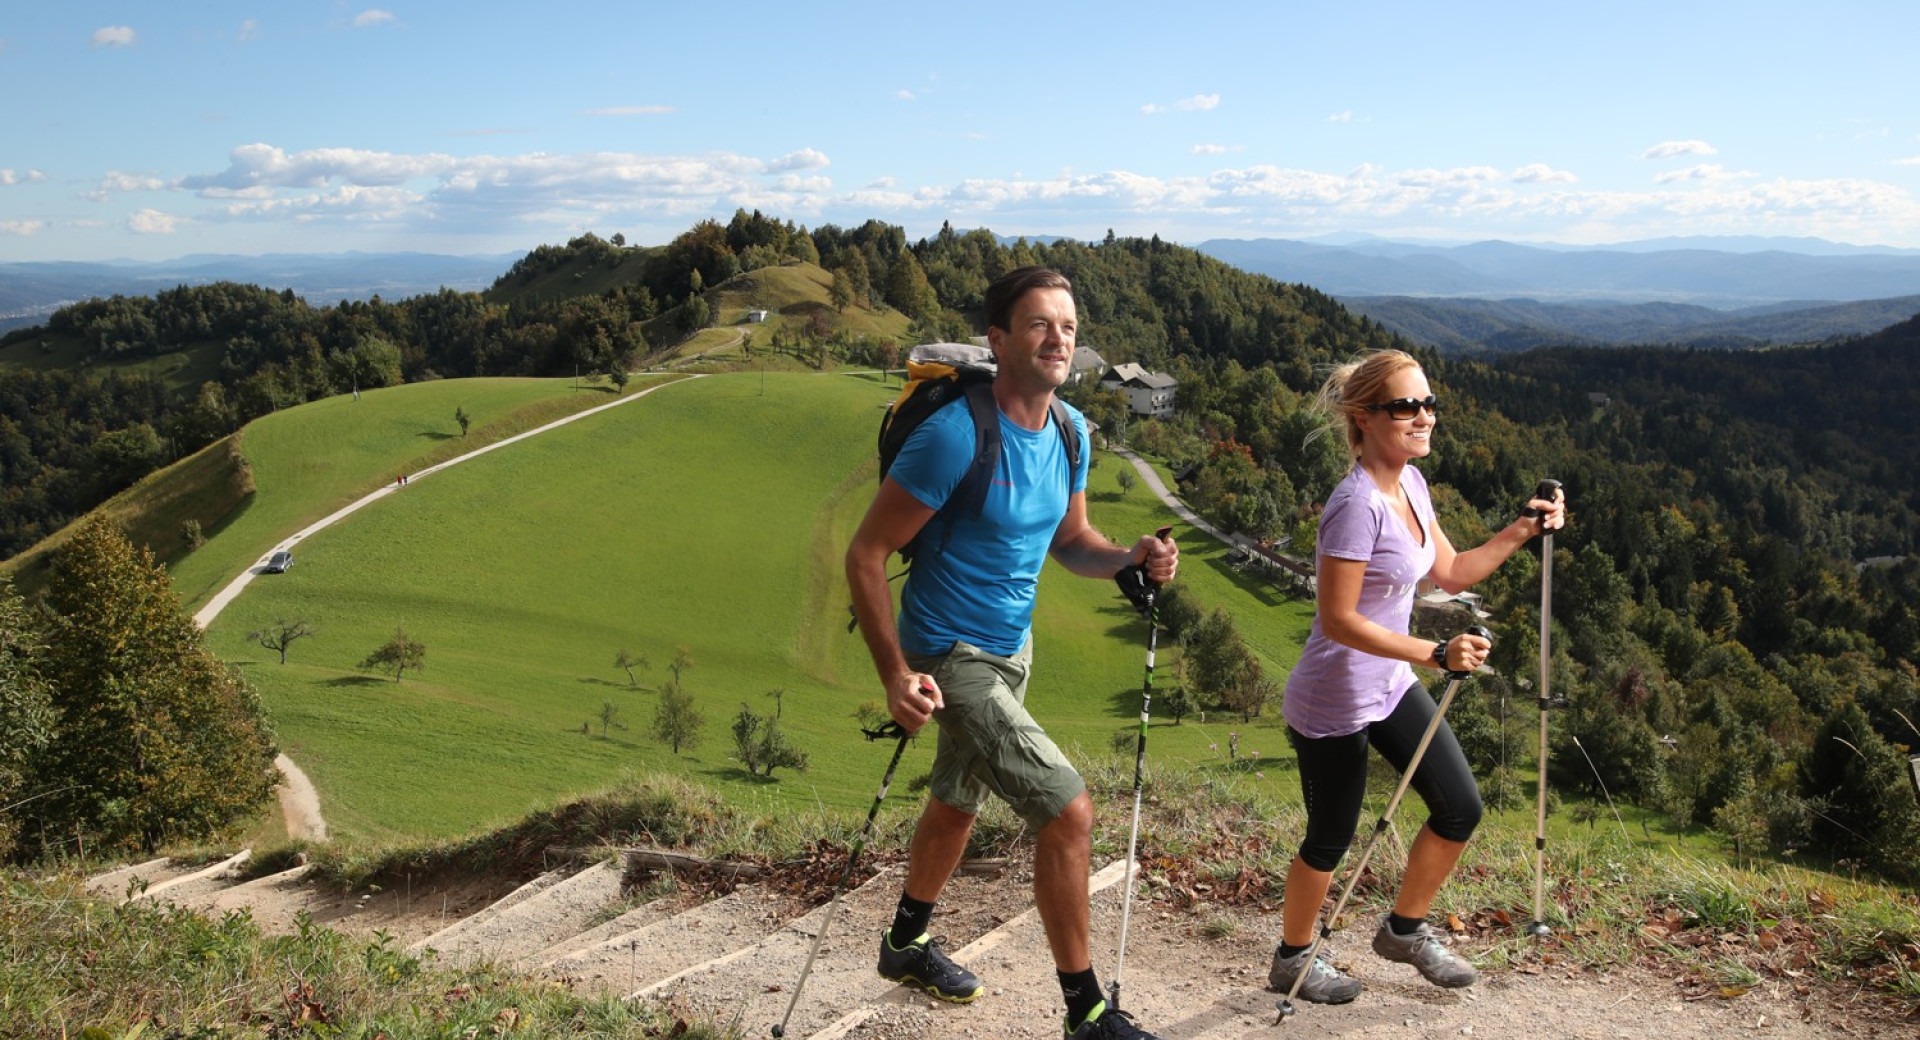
(711, 515)
(311, 460)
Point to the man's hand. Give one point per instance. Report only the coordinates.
(912, 698)
(1159, 556)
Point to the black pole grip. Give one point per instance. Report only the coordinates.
(1470, 630)
(1546, 489)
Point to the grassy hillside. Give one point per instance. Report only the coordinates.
(710, 516)
(205, 487)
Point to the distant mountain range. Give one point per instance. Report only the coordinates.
(1721, 273)
(31, 291)
(1469, 326)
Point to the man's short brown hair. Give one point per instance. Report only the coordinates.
(1006, 290)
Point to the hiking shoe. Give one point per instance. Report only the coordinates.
(1426, 949)
(923, 965)
(1109, 1024)
(1325, 984)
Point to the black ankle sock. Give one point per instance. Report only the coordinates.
(910, 920)
(1082, 990)
(1288, 949)
(1404, 925)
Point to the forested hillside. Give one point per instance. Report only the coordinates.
(1727, 657)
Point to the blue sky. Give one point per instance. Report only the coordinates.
(151, 130)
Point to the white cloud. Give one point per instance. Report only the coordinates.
(906, 95)
(11, 177)
(22, 228)
(117, 181)
(882, 182)
(1541, 173)
(1911, 160)
(1196, 103)
(1672, 149)
(804, 159)
(249, 30)
(113, 36)
(1209, 149)
(152, 222)
(1344, 116)
(1705, 172)
(371, 16)
(630, 110)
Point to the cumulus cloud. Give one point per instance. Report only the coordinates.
(804, 159)
(1706, 172)
(371, 16)
(22, 228)
(152, 222)
(1196, 103)
(1344, 116)
(630, 110)
(1209, 149)
(12, 177)
(249, 30)
(1672, 149)
(906, 95)
(1911, 160)
(113, 36)
(117, 181)
(1541, 173)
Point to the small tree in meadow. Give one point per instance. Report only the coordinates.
(460, 416)
(609, 716)
(1125, 478)
(627, 660)
(280, 635)
(677, 722)
(399, 654)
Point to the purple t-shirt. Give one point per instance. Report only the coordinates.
(1335, 689)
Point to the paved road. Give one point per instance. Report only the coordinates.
(299, 802)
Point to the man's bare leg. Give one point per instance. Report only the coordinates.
(1060, 866)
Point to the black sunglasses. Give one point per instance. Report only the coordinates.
(1406, 407)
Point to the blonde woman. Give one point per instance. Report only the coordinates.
(1355, 687)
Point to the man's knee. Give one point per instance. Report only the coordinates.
(941, 816)
(1073, 824)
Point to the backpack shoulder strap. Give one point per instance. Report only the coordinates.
(1069, 435)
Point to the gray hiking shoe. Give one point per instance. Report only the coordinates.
(1324, 984)
(1426, 949)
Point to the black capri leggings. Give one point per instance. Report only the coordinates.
(1333, 778)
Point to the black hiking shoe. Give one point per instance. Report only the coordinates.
(924, 966)
(1109, 1024)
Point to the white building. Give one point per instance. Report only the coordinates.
(1148, 393)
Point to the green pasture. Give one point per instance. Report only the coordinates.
(311, 460)
(711, 515)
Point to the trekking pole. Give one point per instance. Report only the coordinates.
(1149, 593)
(1538, 928)
(889, 729)
(1366, 851)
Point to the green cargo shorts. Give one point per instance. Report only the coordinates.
(988, 743)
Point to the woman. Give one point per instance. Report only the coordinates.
(1354, 686)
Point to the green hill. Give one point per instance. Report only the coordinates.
(710, 516)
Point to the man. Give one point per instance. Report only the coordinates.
(962, 647)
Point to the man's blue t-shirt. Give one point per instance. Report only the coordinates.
(980, 587)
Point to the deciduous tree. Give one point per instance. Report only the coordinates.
(398, 654)
(158, 740)
(677, 721)
(280, 635)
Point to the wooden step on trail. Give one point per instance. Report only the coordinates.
(521, 931)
